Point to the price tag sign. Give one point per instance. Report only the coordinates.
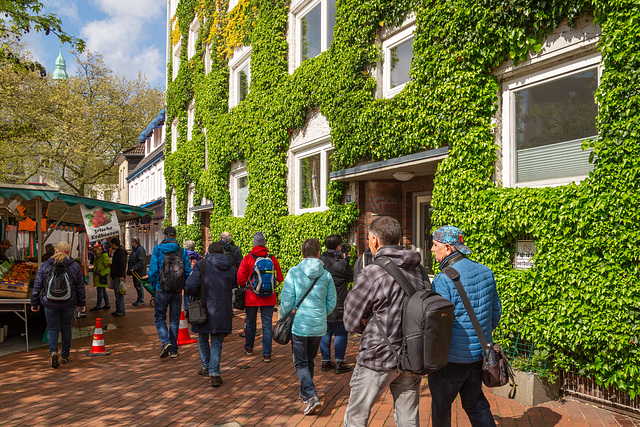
(525, 250)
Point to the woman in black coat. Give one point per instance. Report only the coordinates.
(219, 280)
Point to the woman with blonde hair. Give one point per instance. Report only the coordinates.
(52, 275)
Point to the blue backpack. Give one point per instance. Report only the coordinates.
(263, 278)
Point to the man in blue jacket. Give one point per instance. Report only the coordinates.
(167, 299)
(310, 322)
(463, 374)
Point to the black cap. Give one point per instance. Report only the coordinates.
(170, 232)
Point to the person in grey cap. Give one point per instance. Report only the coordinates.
(168, 295)
(255, 301)
(463, 373)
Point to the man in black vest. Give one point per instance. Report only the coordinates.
(137, 264)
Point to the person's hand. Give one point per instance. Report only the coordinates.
(82, 309)
(35, 308)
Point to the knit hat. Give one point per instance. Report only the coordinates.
(450, 235)
(259, 239)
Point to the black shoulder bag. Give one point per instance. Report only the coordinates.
(282, 330)
(197, 309)
(496, 370)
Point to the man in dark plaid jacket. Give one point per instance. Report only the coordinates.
(375, 291)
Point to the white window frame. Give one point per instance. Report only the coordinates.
(387, 45)
(298, 13)
(190, 191)
(176, 60)
(174, 212)
(232, 4)
(207, 59)
(320, 146)
(191, 115)
(174, 135)
(509, 148)
(194, 32)
(236, 176)
(241, 58)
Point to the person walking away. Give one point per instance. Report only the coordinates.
(375, 292)
(169, 268)
(342, 274)
(137, 264)
(463, 373)
(59, 270)
(194, 257)
(255, 301)
(219, 279)
(230, 249)
(101, 272)
(309, 324)
(118, 274)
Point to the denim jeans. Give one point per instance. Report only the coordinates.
(339, 343)
(59, 320)
(210, 356)
(266, 314)
(139, 289)
(464, 379)
(102, 293)
(304, 351)
(173, 302)
(119, 298)
(367, 386)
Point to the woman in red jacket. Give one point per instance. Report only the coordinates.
(254, 300)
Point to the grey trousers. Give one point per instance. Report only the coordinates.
(367, 386)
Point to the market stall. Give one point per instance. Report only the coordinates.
(87, 219)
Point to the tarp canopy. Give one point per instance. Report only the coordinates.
(157, 122)
(57, 206)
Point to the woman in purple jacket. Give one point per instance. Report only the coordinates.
(59, 313)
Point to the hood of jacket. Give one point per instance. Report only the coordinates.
(401, 257)
(311, 267)
(168, 246)
(219, 261)
(259, 250)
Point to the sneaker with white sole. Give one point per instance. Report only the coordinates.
(165, 350)
(312, 406)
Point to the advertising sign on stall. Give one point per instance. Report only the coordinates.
(100, 224)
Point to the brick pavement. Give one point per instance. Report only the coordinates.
(133, 386)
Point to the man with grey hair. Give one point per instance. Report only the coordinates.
(230, 249)
(137, 264)
(376, 293)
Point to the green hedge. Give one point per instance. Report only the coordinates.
(580, 302)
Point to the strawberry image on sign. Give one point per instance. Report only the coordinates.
(98, 218)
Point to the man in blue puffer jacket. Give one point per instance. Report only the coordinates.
(167, 300)
(310, 322)
(463, 374)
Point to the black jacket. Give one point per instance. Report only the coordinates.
(220, 277)
(119, 263)
(364, 260)
(342, 274)
(138, 261)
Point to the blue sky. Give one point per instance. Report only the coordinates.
(130, 34)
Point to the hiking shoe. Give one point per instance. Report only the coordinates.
(266, 359)
(66, 360)
(312, 406)
(301, 397)
(204, 372)
(54, 360)
(216, 381)
(241, 334)
(327, 366)
(137, 303)
(247, 351)
(165, 350)
(96, 308)
(174, 355)
(342, 367)
(106, 307)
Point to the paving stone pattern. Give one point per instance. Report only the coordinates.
(133, 386)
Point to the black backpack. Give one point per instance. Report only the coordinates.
(228, 251)
(59, 283)
(427, 324)
(172, 272)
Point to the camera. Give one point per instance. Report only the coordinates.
(81, 315)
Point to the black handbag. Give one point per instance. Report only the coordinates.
(282, 330)
(496, 370)
(197, 309)
(237, 297)
(103, 279)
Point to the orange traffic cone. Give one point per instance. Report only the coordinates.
(97, 347)
(183, 333)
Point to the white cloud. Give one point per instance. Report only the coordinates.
(65, 9)
(123, 38)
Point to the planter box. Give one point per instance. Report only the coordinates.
(532, 390)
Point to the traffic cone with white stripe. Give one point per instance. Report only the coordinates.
(183, 333)
(97, 347)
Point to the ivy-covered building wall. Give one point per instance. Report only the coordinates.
(480, 103)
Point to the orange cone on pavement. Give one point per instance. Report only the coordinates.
(183, 333)
(97, 347)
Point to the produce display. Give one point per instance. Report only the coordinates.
(19, 274)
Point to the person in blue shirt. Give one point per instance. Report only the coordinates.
(167, 300)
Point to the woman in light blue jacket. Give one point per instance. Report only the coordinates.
(310, 322)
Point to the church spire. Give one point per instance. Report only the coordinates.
(60, 72)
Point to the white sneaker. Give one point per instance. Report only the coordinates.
(312, 406)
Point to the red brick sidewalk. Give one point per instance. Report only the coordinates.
(133, 386)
